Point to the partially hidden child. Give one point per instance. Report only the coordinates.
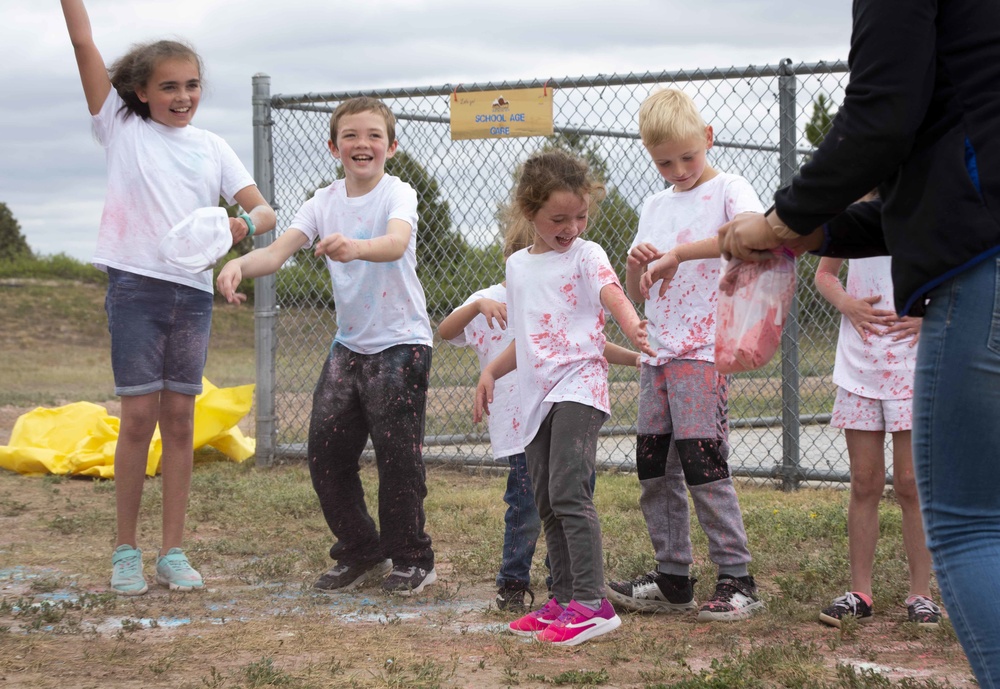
(874, 370)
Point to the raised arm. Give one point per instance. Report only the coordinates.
(455, 322)
(93, 72)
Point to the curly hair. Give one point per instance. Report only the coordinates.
(538, 178)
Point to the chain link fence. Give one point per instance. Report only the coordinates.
(761, 117)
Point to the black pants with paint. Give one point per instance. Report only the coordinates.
(383, 396)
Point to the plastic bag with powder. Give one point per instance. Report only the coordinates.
(754, 300)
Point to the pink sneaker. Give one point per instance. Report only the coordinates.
(536, 621)
(579, 623)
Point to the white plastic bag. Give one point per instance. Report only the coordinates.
(754, 300)
(198, 241)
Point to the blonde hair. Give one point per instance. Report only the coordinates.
(538, 178)
(359, 105)
(669, 115)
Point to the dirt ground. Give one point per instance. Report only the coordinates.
(60, 628)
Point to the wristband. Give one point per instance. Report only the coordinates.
(250, 226)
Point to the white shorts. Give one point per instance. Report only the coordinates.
(859, 413)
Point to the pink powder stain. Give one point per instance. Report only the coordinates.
(685, 236)
(606, 275)
(567, 289)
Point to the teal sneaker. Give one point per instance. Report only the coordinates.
(126, 572)
(175, 572)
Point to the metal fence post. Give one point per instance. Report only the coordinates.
(788, 164)
(264, 287)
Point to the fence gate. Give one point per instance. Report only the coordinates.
(760, 116)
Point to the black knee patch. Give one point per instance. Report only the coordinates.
(702, 460)
(651, 455)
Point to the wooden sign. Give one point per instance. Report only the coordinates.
(501, 114)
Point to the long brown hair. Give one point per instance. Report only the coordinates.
(134, 69)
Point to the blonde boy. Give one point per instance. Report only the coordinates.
(374, 381)
(682, 443)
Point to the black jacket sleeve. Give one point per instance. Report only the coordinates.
(892, 62)
(855, 233)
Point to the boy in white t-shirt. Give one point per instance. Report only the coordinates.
(683, 422)
(873, 371)
(374, 382)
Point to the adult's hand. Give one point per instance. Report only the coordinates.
(748, 237)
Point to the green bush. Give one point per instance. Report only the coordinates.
(59, 266)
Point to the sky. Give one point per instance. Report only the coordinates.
(52, 171)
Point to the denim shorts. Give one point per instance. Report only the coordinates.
(159, 334)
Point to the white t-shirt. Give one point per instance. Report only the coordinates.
(554, 303)
(505, 411)
(157, 176)
(682, 322)
(881, 369)
(379, 305)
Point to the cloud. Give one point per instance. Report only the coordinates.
(52, 171)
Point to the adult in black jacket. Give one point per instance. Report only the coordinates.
(921, 121)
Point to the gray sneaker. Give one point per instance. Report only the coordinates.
(653, 592)
(341, 578)
(407, 581)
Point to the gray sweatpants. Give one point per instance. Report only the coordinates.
(683, 445)
(561, 459)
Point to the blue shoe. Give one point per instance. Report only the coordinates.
(175, 572)
(126, 572)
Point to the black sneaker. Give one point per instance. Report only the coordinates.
(734, 599)
(921, 609)
(340, 578)
(408, 580)
(653, 592)
(848, 605)
(512, 598)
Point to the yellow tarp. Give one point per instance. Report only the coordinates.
(80, 438)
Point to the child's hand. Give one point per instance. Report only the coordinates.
(640, 256)
(664, 269)
(865, 317)
(238, 228)
(339, 248)
(905, 327)
(640, 339)
(229, 279)
(484, 396)
(493, 311)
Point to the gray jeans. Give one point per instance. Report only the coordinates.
(561, 459)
